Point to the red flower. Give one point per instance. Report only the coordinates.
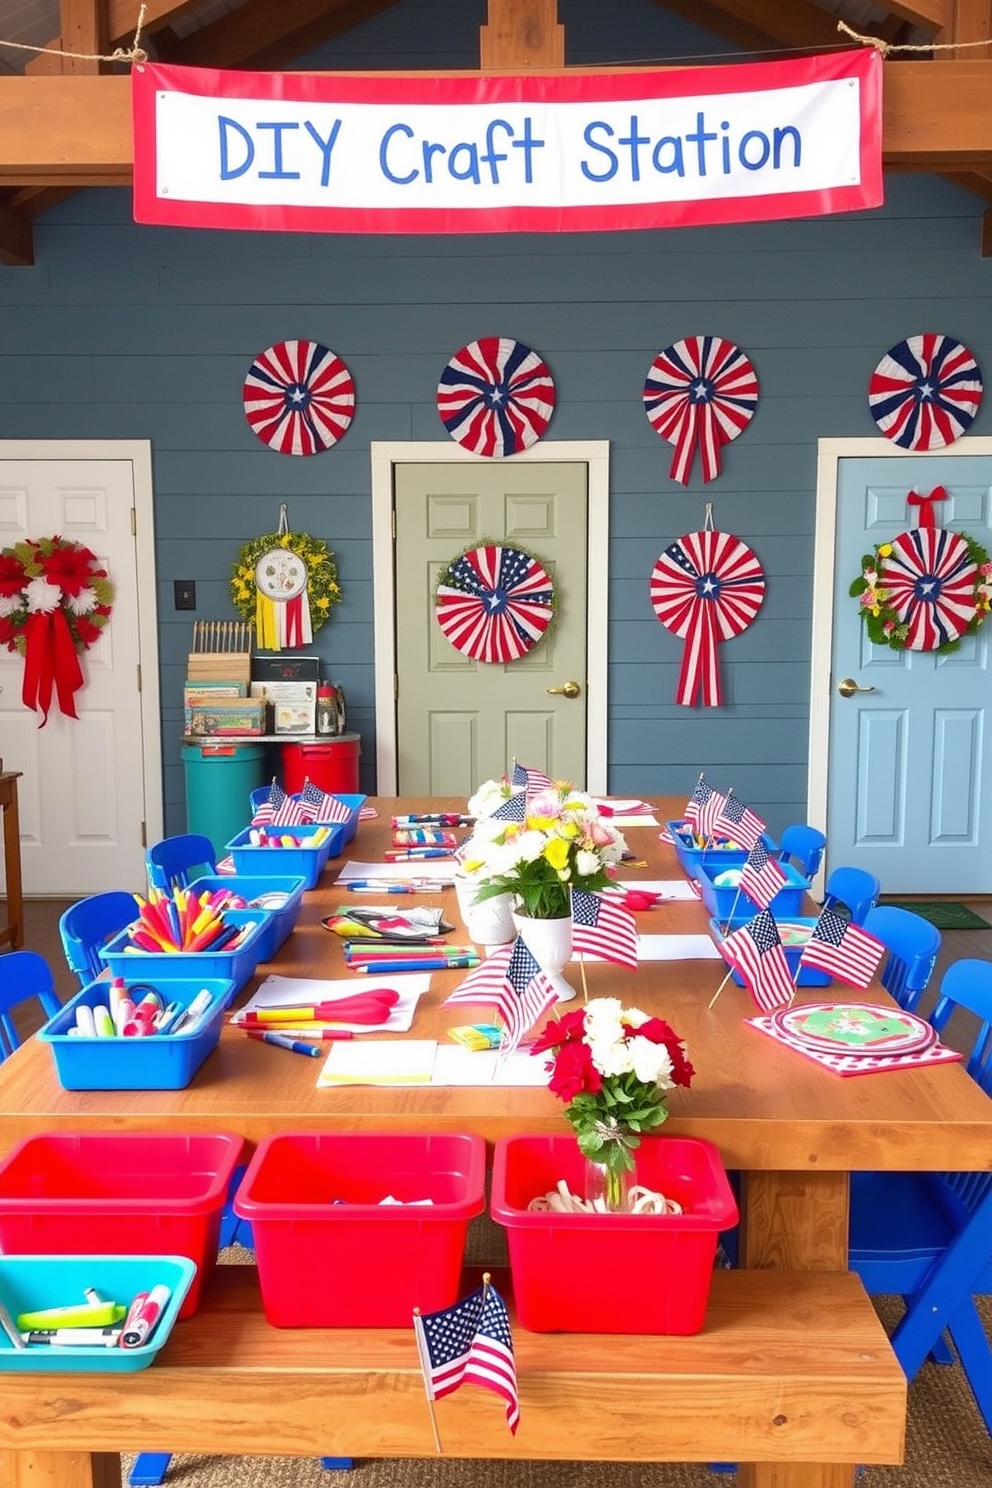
(657, 1031)
(86, 630)
(8, 631)
(12, 576)
(574, 1072)
(68, 566)
(559, 1031)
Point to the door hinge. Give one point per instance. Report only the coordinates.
(134, 522)
(144, 835)
(139, 676)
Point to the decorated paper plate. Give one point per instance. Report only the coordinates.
(855, 1028)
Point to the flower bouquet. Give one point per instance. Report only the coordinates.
(613, 1067)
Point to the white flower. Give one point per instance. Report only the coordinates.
(488, 798)
(651, 1063)
(9, 603)
(586, 862)
(83, 602)
(611, 1057)
(43, 597)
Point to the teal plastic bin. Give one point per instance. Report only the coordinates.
(220, 776)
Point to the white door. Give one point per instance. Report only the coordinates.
(90, 787)
(460, 721)
(910, 764)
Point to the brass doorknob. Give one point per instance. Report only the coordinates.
(849, 687)
(567, 689)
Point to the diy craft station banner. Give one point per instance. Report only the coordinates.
(572, 151)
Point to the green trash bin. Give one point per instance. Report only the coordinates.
(219, 780)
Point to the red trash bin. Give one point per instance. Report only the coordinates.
(331, 765)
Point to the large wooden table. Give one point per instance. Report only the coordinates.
(792, 1376)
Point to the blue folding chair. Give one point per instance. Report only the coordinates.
(855, 889)
(23, 975)
(912, 943)
(88, 925)
(928, 1236)
(175, 862)
(804, 845)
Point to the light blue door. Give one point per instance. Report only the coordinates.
(910, 766)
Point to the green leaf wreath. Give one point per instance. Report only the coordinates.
(882, 621)
(323, 589)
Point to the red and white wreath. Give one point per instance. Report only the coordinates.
(494, 602)
(55, 600)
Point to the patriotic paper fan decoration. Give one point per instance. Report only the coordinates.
(299, 397)
(706, 587)
(925, 589)
(496, 396)
(925, 392)
(700, 393)
(494, 602)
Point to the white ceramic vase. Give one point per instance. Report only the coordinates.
(488, 923)
(550, 943)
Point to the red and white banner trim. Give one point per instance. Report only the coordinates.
(566, 152)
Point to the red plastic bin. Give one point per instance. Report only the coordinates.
(612, 1273)
(331, 765)
(119, 1193)
(330, 1254)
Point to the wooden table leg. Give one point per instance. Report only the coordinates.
(60, 1470)
(795, 1221)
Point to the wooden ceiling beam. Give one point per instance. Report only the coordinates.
(520, 35)
(16, 239)
(967, 21)
(119, 20)
(797, 24)
(268, 34)
(930, 14)
(57, 131)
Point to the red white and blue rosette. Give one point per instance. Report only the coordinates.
(925, 392)
(299, 397)
(495, 603)
(706, 587)
(700, 393)
(496, 396)
(929, 579)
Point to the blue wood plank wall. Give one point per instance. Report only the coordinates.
(130, 332)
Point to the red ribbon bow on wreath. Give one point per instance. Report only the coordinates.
(925, 503)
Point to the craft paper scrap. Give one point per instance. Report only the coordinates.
(381, 1062)
(676, 948)
(437, 871)
(639, 820)
(666, 888)
(454, 1065)
(292, 992)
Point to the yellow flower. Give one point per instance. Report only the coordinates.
(556, 853)
(323, 602)
(885, 551)
(285, 540)
(876, 609)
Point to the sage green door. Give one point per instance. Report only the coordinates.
(460, 721)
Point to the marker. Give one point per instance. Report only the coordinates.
(400, 854)
(284, 1041)
(138, 1330)
(369, 888)
(304, 1031)
(454, 963)
(193, 1013)
(75, 1337)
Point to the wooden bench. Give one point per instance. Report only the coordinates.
(791, 1367)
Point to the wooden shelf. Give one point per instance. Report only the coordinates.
(790, 1367)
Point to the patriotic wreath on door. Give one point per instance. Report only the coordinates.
(496, 396)
(299, 397)
(285, 584)
(925, 392)
(926, 588)
(494, 602)
(706, 587)
(700, 393)
(55, 600)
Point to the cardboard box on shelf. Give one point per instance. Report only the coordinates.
(226, 716)
(284, 668)
(293, 705)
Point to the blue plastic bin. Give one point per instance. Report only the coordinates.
(237, 965)
(722, 902)
(31, 1282)
(692, 858)
(252, 889)
(165, 1061)
(809, 976)
(308, 862)
(258, 798)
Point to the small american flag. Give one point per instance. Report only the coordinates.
(842, 949)
(755, 950)
(513, 809)
(739, 822)
(701, 793)
(513, 983)
(321, 806)
(470, 1342)
(601, 927)
(279, 810)
(762, 876)
(531, 780)
(704, 807)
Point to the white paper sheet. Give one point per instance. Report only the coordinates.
(381, 1062)
(456, 1065)
(432, 870)
(278, 991)
(676, 948)
(633, 821)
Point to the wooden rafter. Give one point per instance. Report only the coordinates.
(967, 22)
(268, 34)
(760, 25)
(119, 26)
(16, 239)
(521, 34)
